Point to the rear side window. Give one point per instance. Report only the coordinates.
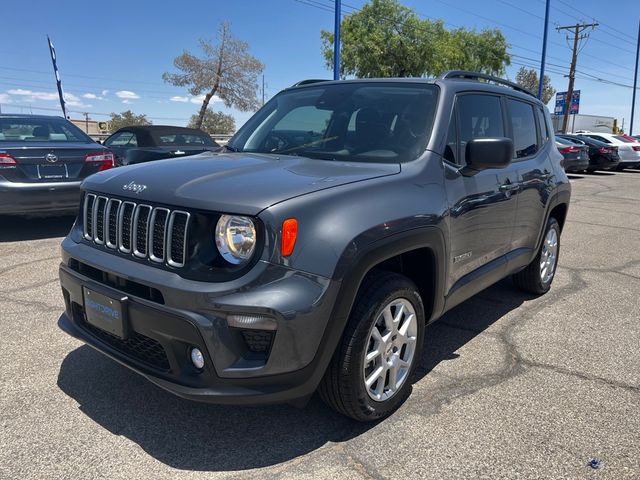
(185, 139)
(598, 137)
(122, 139)
(544, 128)
(480, 116)
(523, 128)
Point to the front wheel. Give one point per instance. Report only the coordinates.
(537, 276)
(370, 374)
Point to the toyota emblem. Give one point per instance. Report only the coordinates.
(51, 158)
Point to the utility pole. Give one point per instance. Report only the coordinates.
(86, 122)
(262, 89)
(577, 36)
(635, 82)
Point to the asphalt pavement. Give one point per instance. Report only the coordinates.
(509, 386)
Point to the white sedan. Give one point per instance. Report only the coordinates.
(628, 149)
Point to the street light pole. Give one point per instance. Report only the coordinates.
(336, 42)
(544, 49)
(635, 82)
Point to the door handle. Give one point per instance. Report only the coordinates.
(509, 187)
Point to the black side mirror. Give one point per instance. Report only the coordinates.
(484, 153)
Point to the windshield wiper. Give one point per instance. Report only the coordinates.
(231, 148)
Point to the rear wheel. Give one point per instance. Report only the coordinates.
(538, 275)
(370, 374)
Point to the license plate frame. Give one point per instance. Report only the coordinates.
(105, 312)
(53, 171)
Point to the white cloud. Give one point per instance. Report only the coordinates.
(5, 98)
(197, 100)
(104, 92)
(127, 95)
(73, 101)
(30, 95)
(92, 96)
(126, 101)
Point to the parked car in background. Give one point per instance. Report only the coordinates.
(43, 160)
(629, 151)
(154, 142)
(602, 156)
(576, 157)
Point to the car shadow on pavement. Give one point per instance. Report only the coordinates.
(15, 229)
(195, 436)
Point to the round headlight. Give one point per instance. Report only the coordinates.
(235, 238)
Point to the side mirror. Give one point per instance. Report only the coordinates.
(484, 153)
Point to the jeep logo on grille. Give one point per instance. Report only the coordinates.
(134, 187)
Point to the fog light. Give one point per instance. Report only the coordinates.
(259, 322)
(197, 358)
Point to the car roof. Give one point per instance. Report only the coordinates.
(452, 82)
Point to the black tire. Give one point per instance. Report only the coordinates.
(530, 279)
(342, 387)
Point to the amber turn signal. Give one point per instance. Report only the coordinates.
(289, 235)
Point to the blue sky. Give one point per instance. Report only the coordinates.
(112, 55)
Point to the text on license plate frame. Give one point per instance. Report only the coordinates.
(106, 313)
(52, 171)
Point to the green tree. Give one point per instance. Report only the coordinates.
(462, 49)
(226, 70)
(528, 78)
(214, 122)
(387, 39)
(126, 119)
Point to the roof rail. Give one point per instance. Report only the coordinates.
(477, 76)
(309, 81)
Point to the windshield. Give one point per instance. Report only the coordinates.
(363, 122)
(40, 129)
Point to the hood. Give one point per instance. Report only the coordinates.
(233, 183)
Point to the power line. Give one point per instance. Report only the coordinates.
(600, 23)
(600, 60)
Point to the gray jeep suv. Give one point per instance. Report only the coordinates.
(342, 218)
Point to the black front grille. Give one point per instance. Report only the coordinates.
(154, 233)
(157, 234)
(144, 349)
(112, 222)
(100, 207)
(179, 229)
(88, 215)
(125, 226)
(142, 227)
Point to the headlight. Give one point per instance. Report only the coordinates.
(235, 238)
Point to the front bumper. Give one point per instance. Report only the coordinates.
(167, 316)
(39, 198)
